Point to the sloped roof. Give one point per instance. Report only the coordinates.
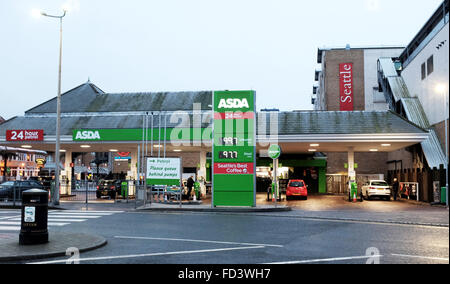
(89, 98)
(74, 100)
(289, 123)
(2, 120)
(335, 122)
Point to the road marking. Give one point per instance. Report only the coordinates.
(55, 220)
(81, 213)
(72, 216)
(51, 224)
(151, 254)
(66, 220)
(422, 257)
(7, 218)
(197, 241)
(335, 259)
(87, 211)
(4, 228)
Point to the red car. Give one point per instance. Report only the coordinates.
(296, 188)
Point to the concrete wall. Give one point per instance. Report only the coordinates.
(440, 130)
(368, 163)
(425, 90)
(406, 158)
(190, 160)
(377, 102)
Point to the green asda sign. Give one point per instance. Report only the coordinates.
(234, 149)
(170, 134)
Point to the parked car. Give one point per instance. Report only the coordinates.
(8, 188)
(108, 188)
(376, 188)
(296, 188)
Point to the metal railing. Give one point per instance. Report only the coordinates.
(146, 195)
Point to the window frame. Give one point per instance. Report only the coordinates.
(430, 65)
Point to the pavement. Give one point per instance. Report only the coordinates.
(58, 245)
(10, 222)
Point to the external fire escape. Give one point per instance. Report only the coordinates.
(399, 100)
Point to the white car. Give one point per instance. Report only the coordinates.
(376, 188)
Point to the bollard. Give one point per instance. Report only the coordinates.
(34, 229)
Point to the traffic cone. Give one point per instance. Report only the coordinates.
(354, 197)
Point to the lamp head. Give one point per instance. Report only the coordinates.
(441, 88)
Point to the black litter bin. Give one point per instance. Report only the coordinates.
(34, 228)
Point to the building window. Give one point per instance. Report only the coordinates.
(430, 65)
(424, 71)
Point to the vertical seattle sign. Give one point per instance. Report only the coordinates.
(234, 148)
(346, 86)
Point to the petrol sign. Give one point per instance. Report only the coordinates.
(165, 171)
(24, 135)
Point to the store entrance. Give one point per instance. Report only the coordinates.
(312, 172)
(309, 175)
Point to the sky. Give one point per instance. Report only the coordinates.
(189, 45)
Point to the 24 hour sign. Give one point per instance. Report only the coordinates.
(24, 135)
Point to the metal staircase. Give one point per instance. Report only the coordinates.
(399, 100)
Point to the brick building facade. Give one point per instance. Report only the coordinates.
(327, 97)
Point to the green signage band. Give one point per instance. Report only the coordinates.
(170, 134)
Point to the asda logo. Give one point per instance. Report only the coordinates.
(87, 135)
(233, 103)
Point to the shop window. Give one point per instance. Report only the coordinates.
(430, 65)
(424, 71)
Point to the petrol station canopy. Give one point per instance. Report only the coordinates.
(87, 107)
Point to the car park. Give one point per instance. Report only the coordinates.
(376, 188)
(14, 189)
(296, 188)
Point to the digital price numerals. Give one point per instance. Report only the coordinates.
(228, 155)
(228, 141)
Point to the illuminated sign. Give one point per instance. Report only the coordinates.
(234, 148)
(24, 135)
(346, 86)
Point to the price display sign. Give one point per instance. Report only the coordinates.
(234, 148)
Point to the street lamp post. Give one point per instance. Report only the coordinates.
(58, 111)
